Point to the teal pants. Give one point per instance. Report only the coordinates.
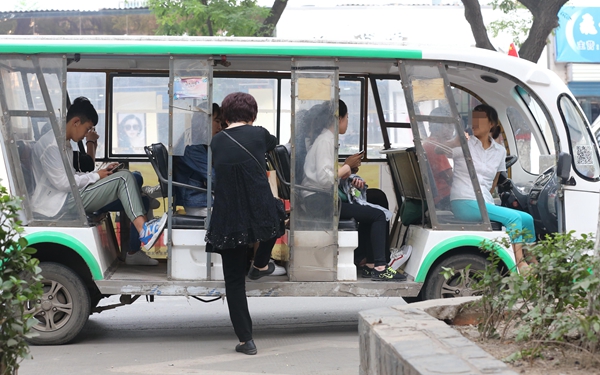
(513, 220)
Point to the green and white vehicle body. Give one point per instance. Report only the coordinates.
(390, 91)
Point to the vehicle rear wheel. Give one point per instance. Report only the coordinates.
(436, 286)
(64, 307)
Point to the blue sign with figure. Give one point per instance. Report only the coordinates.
(578, 35)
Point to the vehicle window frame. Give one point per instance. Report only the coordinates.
(587, 129)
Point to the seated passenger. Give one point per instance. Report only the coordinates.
(318, 173)
(97, 189)
(489, 160)
(84, 161)
(192, 167)
(436, 147)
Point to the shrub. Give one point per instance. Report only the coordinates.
(555, 302)
(19, 284)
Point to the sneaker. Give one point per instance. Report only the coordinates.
(151, 231)
(279, 271)
(139, 258)
(255, 273)
(388, 274)
(152, 191)
(399, 256)
(366, 272)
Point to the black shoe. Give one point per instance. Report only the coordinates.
(256, 274)
(248, 348)
(388, 274)
(366, 272)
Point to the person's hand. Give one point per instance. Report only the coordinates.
(104, 172)
(92, 136)
(353, 161)
(358, 183)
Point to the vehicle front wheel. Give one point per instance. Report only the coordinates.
(460, 284)
(64, 307)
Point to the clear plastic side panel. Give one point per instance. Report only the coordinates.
(32, 97)
(444, 158)
(140, 113)
(192, 106)
(314, 215)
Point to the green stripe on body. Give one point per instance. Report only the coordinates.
(456, 242)
(71, 243)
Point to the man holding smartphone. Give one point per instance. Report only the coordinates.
(97, 188)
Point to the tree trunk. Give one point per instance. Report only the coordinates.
(268, 27)
(545, 19)
(473, 16)
(208, 21)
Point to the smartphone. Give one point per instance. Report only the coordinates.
(117, 167)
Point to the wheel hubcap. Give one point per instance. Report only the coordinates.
(54, 309)
(459, 286)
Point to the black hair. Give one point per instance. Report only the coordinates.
(343, 109)
(83, 108)
(490, 112)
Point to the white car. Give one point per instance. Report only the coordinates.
(596, 129)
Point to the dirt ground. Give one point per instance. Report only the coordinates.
(554, 361)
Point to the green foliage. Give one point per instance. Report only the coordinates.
(19, 284)
(513, 22)
(555, 302)
(208, 17)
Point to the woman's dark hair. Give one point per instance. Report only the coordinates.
(216, 110)
(343, 109)
(490, 112)
(239, 106)
(83, 109)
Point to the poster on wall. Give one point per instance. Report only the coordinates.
(578, 35)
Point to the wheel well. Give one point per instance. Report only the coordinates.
(474, 250)
(57, 253)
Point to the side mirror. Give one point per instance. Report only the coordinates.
(563, 166)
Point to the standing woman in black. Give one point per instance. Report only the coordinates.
(245, 211)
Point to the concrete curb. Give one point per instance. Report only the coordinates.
(407, 340)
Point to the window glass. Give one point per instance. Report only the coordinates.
(285, 110)
(93, 87)
(350, 93)
(140, 114)
(262, 89)
(532, 133)
(583, 149)
(394, 110)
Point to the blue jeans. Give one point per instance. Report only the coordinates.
(520, 221)
(116, 206)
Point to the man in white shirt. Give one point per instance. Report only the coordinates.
(99, 188)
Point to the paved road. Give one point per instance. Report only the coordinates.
(177, 336)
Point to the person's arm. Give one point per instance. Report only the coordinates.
(91, 144)
(55, 171)
(270, 140)
(495, 182)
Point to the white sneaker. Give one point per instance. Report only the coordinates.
(152, 191)
(399, 256)
(279, 271)
(140, 258)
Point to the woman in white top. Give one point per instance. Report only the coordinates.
(319, 173)
(488, 159)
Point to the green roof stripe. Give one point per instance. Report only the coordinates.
(211, 48)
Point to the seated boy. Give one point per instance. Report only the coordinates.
(97, 189)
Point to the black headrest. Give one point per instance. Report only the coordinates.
(159, 158)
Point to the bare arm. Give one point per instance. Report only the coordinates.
(495, 182)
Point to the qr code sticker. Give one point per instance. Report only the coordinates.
(583, 155)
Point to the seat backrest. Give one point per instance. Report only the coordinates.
(159, 158)
(281, 160)
(25, 150)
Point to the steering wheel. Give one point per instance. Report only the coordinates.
(510, 160)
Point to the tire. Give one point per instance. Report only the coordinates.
(64, 308)
(436, 286)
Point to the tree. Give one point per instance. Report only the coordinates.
(216, 17)
(545, 19)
